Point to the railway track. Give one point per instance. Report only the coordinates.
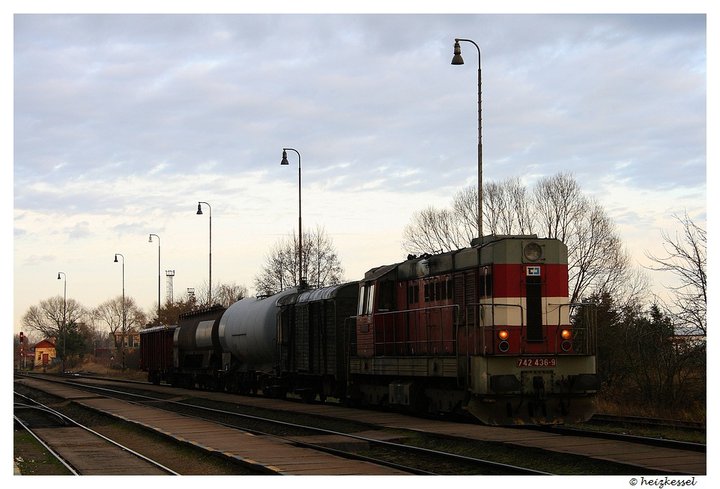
(413, 459)
(640, 440)
(457, 438)
(367, 447)
(71, 442)
(598, 419)
(602, 419)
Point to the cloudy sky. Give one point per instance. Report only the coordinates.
(122, 123)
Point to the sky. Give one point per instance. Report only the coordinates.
(122, 123)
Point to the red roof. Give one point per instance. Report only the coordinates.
(45, 344)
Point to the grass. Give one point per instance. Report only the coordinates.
(35, 459)
(606, 405)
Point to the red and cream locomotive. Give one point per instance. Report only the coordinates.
(485, 328)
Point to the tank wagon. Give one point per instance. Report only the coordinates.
(486, 330)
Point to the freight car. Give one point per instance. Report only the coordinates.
(485, 330)
(156, 352)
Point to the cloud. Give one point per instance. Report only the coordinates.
(79, 230)
(123, 122)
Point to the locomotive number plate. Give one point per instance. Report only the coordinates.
(536, 362)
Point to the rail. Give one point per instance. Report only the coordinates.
(66, 420)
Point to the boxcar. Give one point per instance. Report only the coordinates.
(156, 352)
(312, 340)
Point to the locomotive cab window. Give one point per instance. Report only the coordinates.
(386, 296)
(361, 300)
(485, 282)
(366, 299)
(413, 293)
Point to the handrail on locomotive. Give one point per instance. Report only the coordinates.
(583, 338)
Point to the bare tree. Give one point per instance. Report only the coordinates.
(464, 207)
(507, 209)
(559, 204)
(556, 208)
(511, 207)
(321, 261)
(228, 294)
(321, 264)
(434, 231)
(111, 313)
(596, 258)
(47, 317)
(280, 268)
(686, 258)
(55, 318)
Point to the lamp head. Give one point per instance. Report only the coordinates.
(150, 239)
(199, 211)
(457, 58)
(116, 260)
(58, 275)
(284, 160)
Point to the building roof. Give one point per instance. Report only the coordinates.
(44, 344)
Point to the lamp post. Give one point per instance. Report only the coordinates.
(284, 161)
(150, 241)
(458, 60)
(64, 320)
(199, 213)
(124, 316)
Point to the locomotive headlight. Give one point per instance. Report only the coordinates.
(566, 344)
(532, 252)
(503, 344)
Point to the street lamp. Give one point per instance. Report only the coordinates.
(458, 60)
(284, 161)
(199, 213)
(150, 241)
(64, 320)
(124, 315)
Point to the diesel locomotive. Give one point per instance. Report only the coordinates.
(486, 330)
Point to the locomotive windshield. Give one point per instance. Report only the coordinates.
(366, 299)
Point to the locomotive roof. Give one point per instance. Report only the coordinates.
(381, 271)
(419, 266)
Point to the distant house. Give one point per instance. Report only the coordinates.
(45, 352)
(130, 339)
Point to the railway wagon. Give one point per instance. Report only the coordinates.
(197, 354)
(156, 352)
(247, 332)
(187, 354)
(216, 348)
(313, 339)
